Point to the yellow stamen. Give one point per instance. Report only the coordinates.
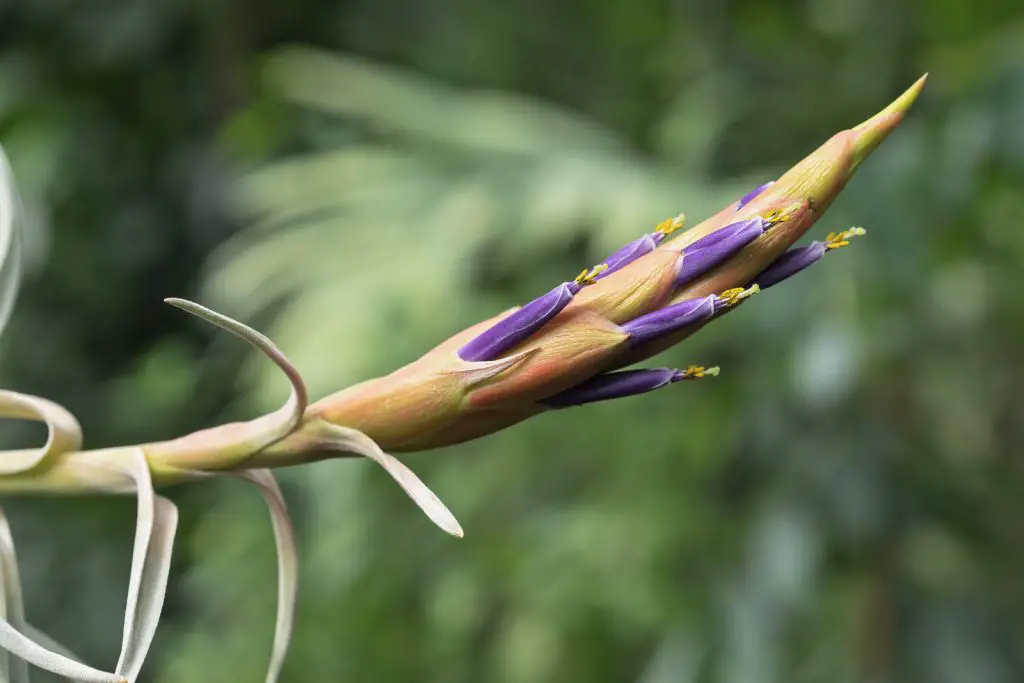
(670, 225)
(834, 240)
(731, 297)
(776, 216)
(587, 277)
(700, 372)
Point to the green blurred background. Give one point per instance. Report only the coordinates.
(361, 178)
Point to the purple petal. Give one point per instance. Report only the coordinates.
(669, 319)
(614, 385)
(505, 334)
(752, 195)
(790, 263)
(713, 249)
(628, 254)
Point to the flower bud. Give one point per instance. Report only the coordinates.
(638, 247)
(625, 383)
(515, 328)
(709, 251)
(798, 258)
(750, 196)
(668, 319)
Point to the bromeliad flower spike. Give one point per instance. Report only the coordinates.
(567, 348)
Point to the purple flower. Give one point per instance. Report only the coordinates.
(638, 247)
(711, 250)
(624, 383)
(677, 316)
(752, 195)
(790, 263)
(798, 258)
(669, 319)
(631, 252)
(512, 330)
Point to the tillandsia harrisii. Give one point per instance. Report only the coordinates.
(568, 347)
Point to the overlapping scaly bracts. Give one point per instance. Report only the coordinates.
(649, 295)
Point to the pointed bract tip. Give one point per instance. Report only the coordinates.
(868, 135)
(183, 304)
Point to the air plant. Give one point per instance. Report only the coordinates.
(569, 347)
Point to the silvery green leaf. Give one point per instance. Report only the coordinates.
(26, 643)
(157, 520)
(65, 434)
(19, 645)
(12, 604)
(10, 266)
(282, 421)
(48, 642)
(287, 565)
(354, 441)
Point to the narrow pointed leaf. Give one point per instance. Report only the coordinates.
(10, 266)
(284, 420)
(48, 642)
(156, 523)
(287, 565)
(12, 604)
(354, 441)
(20, 645)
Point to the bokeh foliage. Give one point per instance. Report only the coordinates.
(841, 504)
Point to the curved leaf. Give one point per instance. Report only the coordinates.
(157, 520)
(354, 441)
(285, 419)
(48, 642)
(65, 434)
(287, 565)
(20, 645)
(12, 603)
(10, 266)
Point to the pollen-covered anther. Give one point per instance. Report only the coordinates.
(781, 215)
(699, 372)
(669, 226)
(731, 297)
(834, 240)
(589, 277)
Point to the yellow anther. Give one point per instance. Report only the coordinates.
(834, 240)
(776, 216)
(670, 225)
(700, 372)
(731, 297)
(588, 277)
